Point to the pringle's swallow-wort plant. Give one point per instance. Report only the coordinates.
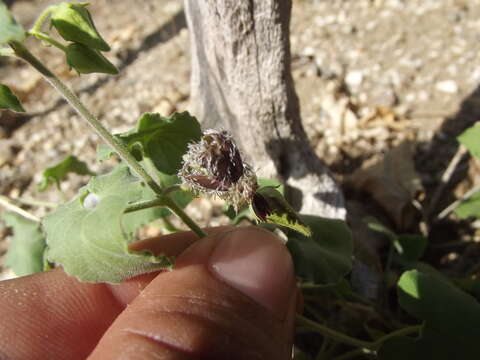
(164, 163)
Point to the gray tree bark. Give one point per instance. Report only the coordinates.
(241, 82)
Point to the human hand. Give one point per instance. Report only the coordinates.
(232, 295)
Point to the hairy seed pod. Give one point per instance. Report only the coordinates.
(214, 166)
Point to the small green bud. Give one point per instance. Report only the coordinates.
(8, 100)
(74, 23)
(86, 60)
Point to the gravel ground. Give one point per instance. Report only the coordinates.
(371, 75)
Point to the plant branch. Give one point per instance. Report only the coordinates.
(22, 52)
(7, 204)
(445, 212)
(184, 217)
(145, 205)
(400, 332)
(41, 19)
(332, 334)
(346, 339)
(449, 171)
(48, 39)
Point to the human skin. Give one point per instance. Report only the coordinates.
(232, 295)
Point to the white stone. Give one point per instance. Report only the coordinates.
(447, 86)
(354, 79)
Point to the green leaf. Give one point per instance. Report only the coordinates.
(25, 253)
(10, 30)
(104, 152)
(409, 246)
(262, 182)
(88, 235)
(8, 100)
(470, 138)
(451, 316)
(58, 172)
(74, 23)
(376, 225)
(132, 221)
(86, 60)
(326, 256)
(163, 140)
(469, 207)
(271, 207)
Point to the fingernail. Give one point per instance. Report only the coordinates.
(257, 264)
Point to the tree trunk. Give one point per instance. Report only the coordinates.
(241, 82)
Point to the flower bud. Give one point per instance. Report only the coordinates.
(214, 166)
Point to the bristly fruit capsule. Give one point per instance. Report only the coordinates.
(214, 166)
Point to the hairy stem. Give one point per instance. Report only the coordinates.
(48, 39)
(23, 53)
(145, 205)
(184, 217)
(41, 19)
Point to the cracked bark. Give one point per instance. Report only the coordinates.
(241, 82)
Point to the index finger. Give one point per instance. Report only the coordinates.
(51, 315)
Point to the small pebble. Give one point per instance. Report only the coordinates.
(447, 86)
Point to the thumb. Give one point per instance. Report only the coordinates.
(231, 296)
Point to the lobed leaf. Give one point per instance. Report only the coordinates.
(74, 23)
(89, 236)
(163, 140)
(58, 172)
(470, 138)
(10, 30)
(451, 316)
(326, 256)
(469, 207)
(8, 100)
(86, 60)
(25, 253)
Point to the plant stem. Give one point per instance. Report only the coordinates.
(7, 204)
(376, 344)
(333, 334)
(23, 53)
(400, 332)
(145, 205)
(41, 19)
(346, 339)
(48, 38)
(446, 176)
(184, 217)
(457, 202)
